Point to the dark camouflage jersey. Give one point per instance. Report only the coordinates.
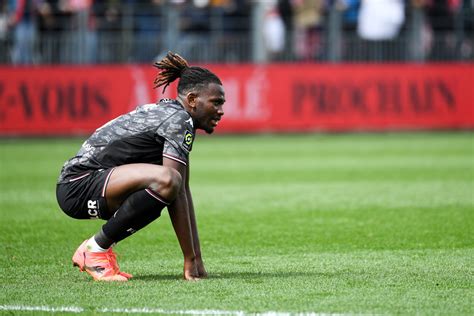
(146, 135)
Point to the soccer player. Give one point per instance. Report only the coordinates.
(137, 164)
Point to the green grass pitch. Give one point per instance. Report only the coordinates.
(347, 223)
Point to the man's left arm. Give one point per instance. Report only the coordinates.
(192, 217)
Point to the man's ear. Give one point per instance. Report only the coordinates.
(191, 97)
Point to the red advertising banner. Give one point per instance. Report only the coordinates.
(260, 98)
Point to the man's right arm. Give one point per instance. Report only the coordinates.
(179, 214)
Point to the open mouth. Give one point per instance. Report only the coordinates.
(215, 121)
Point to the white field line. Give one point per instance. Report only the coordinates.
(22, 308)
(146, 310)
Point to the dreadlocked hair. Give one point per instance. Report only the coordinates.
(173, 66)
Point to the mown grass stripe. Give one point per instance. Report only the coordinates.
(146, 310)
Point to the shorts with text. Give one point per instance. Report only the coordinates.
(83, 196)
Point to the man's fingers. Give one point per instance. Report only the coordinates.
(191, 278)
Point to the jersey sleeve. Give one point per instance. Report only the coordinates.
(178, 132)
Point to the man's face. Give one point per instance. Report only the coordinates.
(207, 109)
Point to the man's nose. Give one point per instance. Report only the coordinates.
(220, 111)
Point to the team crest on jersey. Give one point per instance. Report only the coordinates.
(188, 140)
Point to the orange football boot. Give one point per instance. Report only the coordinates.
(102, 266)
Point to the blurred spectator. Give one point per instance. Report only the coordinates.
(108, 21)
(23, 18)
(3, 31)
(231, 29)
(3, 19)
(379, 24)
(440, 15)
(108, 15)
(148, 17)
(79, 45)
(350, 15)
(286, 12)
(51, 25)
(308, 22)
(195, 16)
(195, 30)
(235, 13)
(273, 32)
(465, 16)
(90, 31)
(421, 34)
(446, 32)
(350, 41)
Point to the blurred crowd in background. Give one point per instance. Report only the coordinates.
(120, 31)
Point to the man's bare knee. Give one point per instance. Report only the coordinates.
(167, 183)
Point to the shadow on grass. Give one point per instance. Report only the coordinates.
(232, 275)
(262, 275)
(157, 277)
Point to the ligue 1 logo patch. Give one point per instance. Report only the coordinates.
(188, 140)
